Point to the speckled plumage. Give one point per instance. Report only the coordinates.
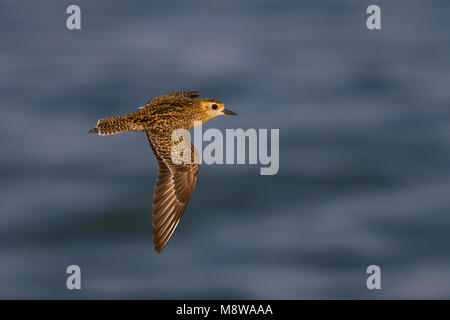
(175, 183)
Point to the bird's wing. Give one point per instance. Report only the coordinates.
(172, 95)
(173, 187)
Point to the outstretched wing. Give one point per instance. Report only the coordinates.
(172, 95)
(173, 187)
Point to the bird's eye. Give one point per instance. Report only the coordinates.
(214, 106)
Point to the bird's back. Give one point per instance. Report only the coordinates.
(168, 113)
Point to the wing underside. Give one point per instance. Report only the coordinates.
(173, 188)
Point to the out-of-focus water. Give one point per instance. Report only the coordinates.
(364, 123)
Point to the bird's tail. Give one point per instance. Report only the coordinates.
(112, 125)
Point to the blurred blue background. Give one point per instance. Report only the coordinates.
(364, 125)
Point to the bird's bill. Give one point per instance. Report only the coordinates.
(225, 111)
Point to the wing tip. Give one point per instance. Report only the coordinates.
(194, 94)
(159, 247)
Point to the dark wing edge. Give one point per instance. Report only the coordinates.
(172, 95)
(173, 190)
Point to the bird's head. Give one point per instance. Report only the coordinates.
(211, 108)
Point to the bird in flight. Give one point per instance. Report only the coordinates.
(159, 118)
